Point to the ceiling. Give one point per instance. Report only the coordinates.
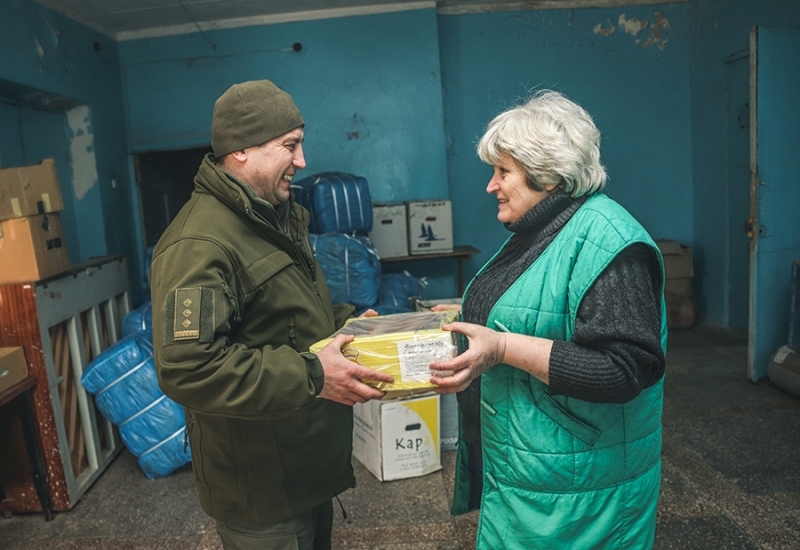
(130, 19)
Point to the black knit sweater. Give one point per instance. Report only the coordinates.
(615, 351)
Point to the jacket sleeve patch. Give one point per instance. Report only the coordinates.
(189, 315)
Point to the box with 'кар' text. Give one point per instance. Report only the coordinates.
(398, 438)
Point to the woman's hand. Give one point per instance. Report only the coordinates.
(487, 348)
(446, 307)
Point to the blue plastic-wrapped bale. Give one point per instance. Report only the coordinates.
(341, 203)
(139, 319)
(166, 456)
(116, 360)
(130, 393)
(351, 268)
(383, 309)
(302, 195)
(397, 289)
(152, 425)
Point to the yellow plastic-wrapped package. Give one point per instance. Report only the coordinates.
(402, 344)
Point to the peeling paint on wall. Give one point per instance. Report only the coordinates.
(604, 30)
(84, 164)
(635, 26)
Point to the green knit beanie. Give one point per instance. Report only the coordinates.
(251, 114)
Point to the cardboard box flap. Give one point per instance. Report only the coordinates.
(678, 261)
(669, 247)
(29, 190)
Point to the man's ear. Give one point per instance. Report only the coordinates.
(240, 156)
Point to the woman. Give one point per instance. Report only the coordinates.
(561, 431)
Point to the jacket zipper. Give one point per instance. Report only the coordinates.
(187, 432)
(293, 333)
(232, 299)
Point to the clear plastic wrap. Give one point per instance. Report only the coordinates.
(403, 345)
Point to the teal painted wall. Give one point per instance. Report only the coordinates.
(635, 84)
(720, 36)
(369, 88)
(61, 97)
(402, 98)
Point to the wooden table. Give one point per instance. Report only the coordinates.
(21, 394)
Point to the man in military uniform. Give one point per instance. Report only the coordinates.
(238, 298)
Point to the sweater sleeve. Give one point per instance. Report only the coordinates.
(616, 349)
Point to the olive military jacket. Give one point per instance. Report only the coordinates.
(238, 298)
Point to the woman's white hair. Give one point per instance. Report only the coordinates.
(553, 139)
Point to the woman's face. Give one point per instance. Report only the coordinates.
(514, 197)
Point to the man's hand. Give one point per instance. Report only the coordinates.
(487, 348)
(343, 378)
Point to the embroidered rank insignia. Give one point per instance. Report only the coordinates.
(186, 324)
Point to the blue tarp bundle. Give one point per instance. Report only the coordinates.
(125, 387)
(116, 361)
(396, 291)
(351, 268)
(341, 203)
(166, 457)
(130, 393)
(151, 425)
(302, 195)
(382, 309)
(139, 319)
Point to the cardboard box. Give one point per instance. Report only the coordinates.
(401, 344)
(678, 262)
(430, 227)
(448, 405)
(682, 286)
(29, 190)
(678, 267)
(399, 438)
(389, 230)
(13, 367)
(32, 248)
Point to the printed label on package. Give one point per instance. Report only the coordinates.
(416, 356)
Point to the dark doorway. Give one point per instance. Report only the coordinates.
(166, 181)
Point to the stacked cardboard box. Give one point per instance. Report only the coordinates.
(32, 243)
(412, 228)
(398, 438)
(678, 292)
(389, 230)
(430, 227)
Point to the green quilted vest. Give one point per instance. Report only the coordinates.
(560, 472)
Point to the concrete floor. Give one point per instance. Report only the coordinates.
(730, 479)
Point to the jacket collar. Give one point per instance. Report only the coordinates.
(239, 196)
